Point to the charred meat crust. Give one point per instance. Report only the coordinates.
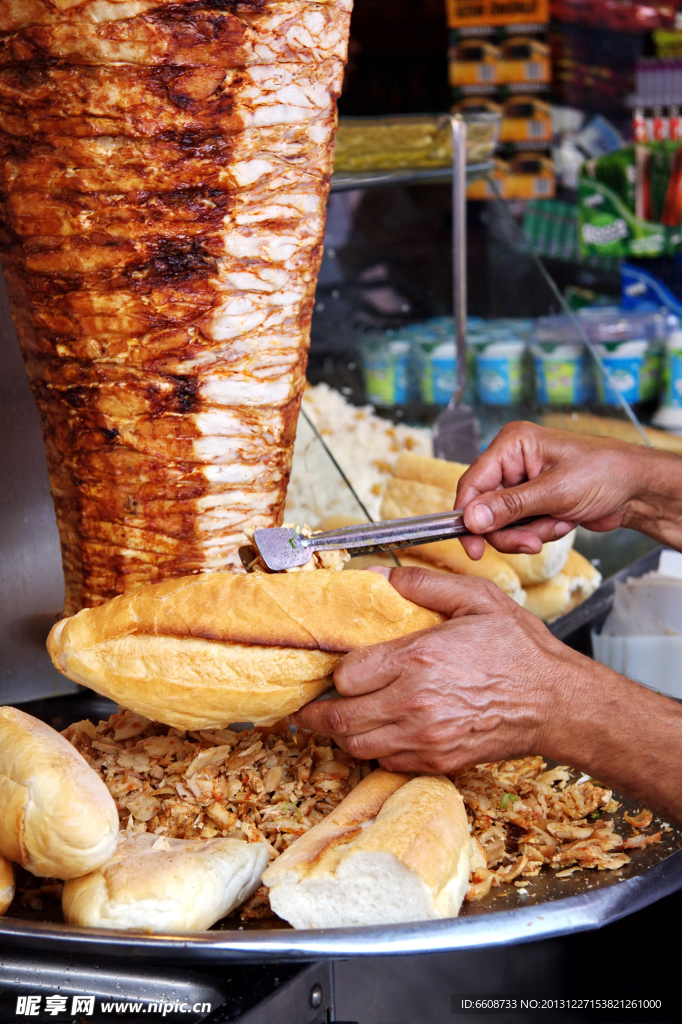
(164, 169)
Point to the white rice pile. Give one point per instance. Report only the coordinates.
(365, 446)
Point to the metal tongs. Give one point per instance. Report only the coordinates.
(282, 548)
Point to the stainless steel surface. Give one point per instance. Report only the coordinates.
(20, 972)
(343, 181)
(31, 581)
(456, 431)
(282, 547)
(552, 907)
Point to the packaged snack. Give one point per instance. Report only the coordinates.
(525, 61)
(474, 62)
(526, 119)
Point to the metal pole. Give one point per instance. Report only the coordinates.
(459, 251)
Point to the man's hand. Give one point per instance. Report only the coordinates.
(567, 480)
(492, 683)
(479, 687)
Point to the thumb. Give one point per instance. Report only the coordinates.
(450, 594)
(495, 509)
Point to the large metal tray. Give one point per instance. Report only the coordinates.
(552, 907)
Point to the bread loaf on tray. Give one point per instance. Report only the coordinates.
(161, 885)
(57, 818)
(396, 849)
(6, 884)
(164, 171)
(205, 651)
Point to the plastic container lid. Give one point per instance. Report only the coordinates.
(498, 349)
(621, 349)
(557, 351)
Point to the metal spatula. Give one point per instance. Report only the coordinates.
(283, 548)
(456, 432)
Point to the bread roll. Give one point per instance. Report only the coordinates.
(607, 426)
(566, 591)
(394, 850)
(6, 884)
(57, 818)
(405, 498)
(427, 470)
(155, 884)
(451, 556)
(203, 652)
(545, 565)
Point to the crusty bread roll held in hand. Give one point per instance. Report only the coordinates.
(396, 849)
(6, 884)
(202, 652)
(57, 818)
(155, 884)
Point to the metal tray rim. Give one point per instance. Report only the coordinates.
(525, 924)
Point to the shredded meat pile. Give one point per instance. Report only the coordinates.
(269, 785)
(524, 817)
(261, 785)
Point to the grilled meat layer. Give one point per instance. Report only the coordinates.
(164, 169)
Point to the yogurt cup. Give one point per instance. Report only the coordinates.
(499, 370)
(562, 373)
(672, 396)
(386, 371)
(625, 362)
(437, 372)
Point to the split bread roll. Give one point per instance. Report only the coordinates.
(6, 884)
(532, 569)
(161, 885)
(57, 818)
(566, 591)
(202, 652)
(396, 849)
(405, 498)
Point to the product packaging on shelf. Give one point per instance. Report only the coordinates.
(631, 201)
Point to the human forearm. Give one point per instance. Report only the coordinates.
(655, 508)
(619, 732)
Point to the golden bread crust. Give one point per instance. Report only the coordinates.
(321, 610)
(57, 818)
(6, 884)
(157, 884)
(341, 826)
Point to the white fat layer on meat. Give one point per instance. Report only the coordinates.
(236, 473)
(258, 391)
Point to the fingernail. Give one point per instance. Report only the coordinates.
(483, 516)
(524, 550)
(561, 529)
(382, 569)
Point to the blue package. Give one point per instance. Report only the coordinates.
(644, 292)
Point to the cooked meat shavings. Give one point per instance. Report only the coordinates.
(260, 785)
(524, 817)
(333, 561)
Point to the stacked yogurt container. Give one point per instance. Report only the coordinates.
(630, 346)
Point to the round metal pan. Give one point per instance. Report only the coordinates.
(480, 925)
(546, 906)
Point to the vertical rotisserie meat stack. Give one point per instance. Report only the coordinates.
(164, 174)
